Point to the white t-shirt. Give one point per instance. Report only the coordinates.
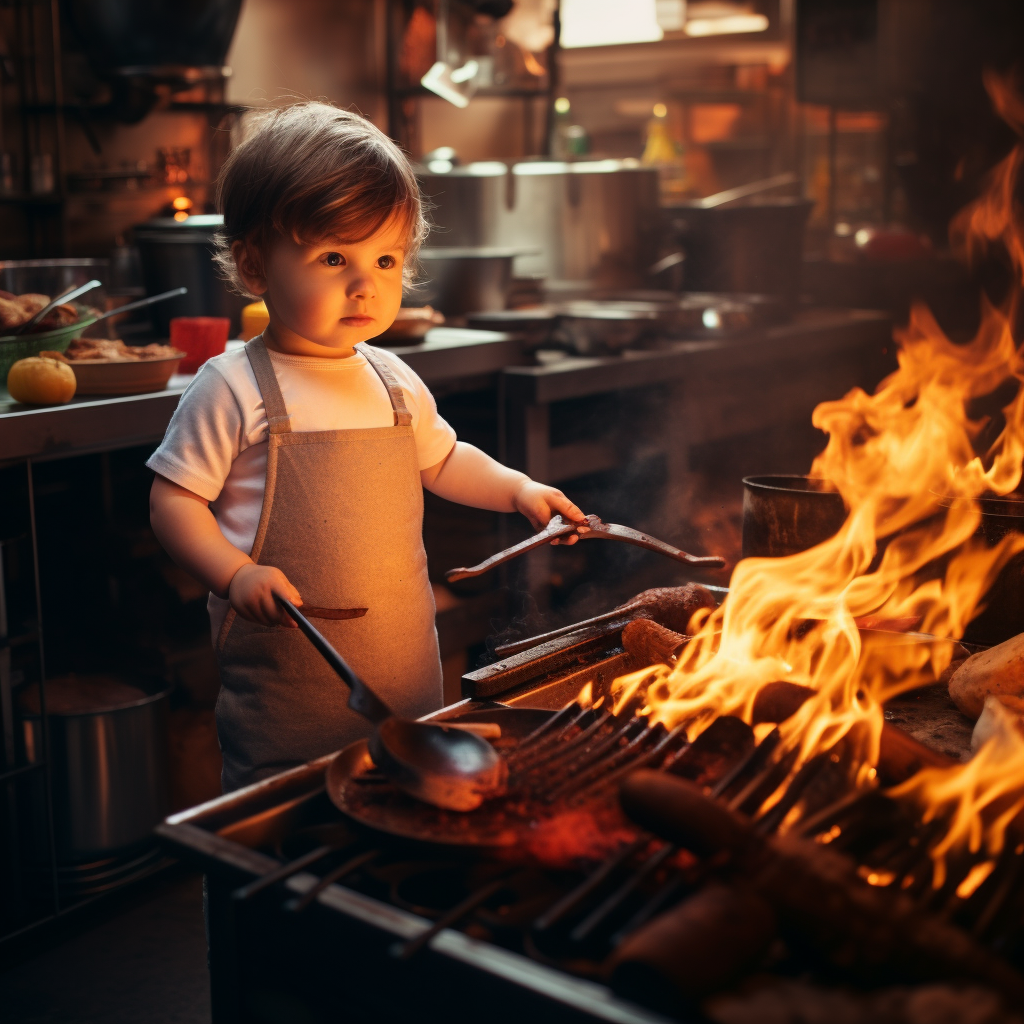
(216, 442)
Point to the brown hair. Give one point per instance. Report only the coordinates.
(311, 170)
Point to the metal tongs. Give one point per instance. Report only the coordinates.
(590, 527)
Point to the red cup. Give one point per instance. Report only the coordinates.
(199, 337)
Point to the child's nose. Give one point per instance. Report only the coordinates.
(361, 287)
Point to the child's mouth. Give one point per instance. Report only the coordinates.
(359, 320)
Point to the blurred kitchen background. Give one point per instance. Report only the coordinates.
(663, 232)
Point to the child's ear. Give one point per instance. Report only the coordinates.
(250, 269)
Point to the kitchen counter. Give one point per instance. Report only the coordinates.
(721, 387)
(726, 386)
(448, 356)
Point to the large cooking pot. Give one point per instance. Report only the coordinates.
(176, 253)
(108, 760)
(470, 279)
(752, 247)
(786, 514)
(593, 220)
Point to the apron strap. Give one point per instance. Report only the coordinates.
(278, 420)
(403, 418)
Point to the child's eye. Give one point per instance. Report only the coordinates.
(333, 259)
(386, 262)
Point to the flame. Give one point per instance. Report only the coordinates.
(909, 461)
(979, 800)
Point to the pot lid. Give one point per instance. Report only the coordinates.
(197, 222)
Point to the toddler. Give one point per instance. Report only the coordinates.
(296, 466)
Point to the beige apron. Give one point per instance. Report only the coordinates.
(342, 518)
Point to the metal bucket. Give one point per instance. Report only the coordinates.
(109, 765)
(785, 514)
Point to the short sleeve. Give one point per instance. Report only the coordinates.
(204, 437)
(435, 437)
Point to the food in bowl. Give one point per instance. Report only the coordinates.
(106, 350)
(42, 380)
(16, 310)
(110, 367)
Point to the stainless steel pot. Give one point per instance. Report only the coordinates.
(108, 763)
(594, 220)
(176, 253)
(465, 280)
(466, 204)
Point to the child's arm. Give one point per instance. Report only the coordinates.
(471, 477)
(185, 526)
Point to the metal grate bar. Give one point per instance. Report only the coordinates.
(649, 757)
(770, 821)
(557, 720)
(655, 904)
(594, 881)
(641, 750)
(550, 746)
(404, 950)
(753, 761)
(552, 757)
(353, 864)
(258, 885)
(586, 927)
(750, 798)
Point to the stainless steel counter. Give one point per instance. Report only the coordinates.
(448, 356)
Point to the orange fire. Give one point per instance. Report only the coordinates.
(907, 463)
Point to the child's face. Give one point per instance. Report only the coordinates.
(334, 294)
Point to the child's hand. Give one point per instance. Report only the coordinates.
(251, 594)
(539, 502)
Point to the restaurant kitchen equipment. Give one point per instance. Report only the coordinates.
(392, 916)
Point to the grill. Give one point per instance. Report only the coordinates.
(314, 915)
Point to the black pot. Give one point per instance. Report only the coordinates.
(127, 34)
(785, 514)
(742, 248)
(176, 253)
